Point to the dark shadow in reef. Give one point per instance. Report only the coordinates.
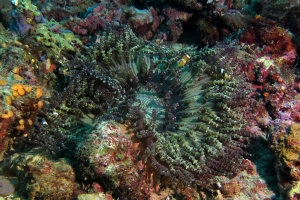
(265, 163)
(3, 21)
(191, 35)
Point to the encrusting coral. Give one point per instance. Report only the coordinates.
(41, 176)
(186, 114)
(287, 151)
(49, 40)
(110, 154)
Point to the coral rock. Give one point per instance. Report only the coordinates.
(41, 177)
(6, 188)
(110, 154)
(288, 153)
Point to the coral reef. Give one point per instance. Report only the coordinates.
(20, 93)
(282, 12)
(143, 22)
(95, 19)
(266, 32)
(104, 86)
(59, 11)
(275, 102)
(23, 85)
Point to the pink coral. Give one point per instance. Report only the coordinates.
(96, 20)
(111, 155)
(176, 30)
(140, 21)
(174, 14)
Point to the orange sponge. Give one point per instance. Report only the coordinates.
(8, 115)
(30, 122)
(40, 104)
(20, 127)
(15, 94)
(21, 92)
(16, 70)
(8, 100)
(16, 86)
(2, 82)
(39, 92)
(27, 88)
(18, 77)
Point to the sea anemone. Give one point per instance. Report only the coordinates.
(189, 119)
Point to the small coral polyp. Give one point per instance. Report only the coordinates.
(188, 120)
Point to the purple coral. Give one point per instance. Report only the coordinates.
(6, 188)
(19, 23)
(40, 18)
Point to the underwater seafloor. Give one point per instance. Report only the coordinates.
(161, 100)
